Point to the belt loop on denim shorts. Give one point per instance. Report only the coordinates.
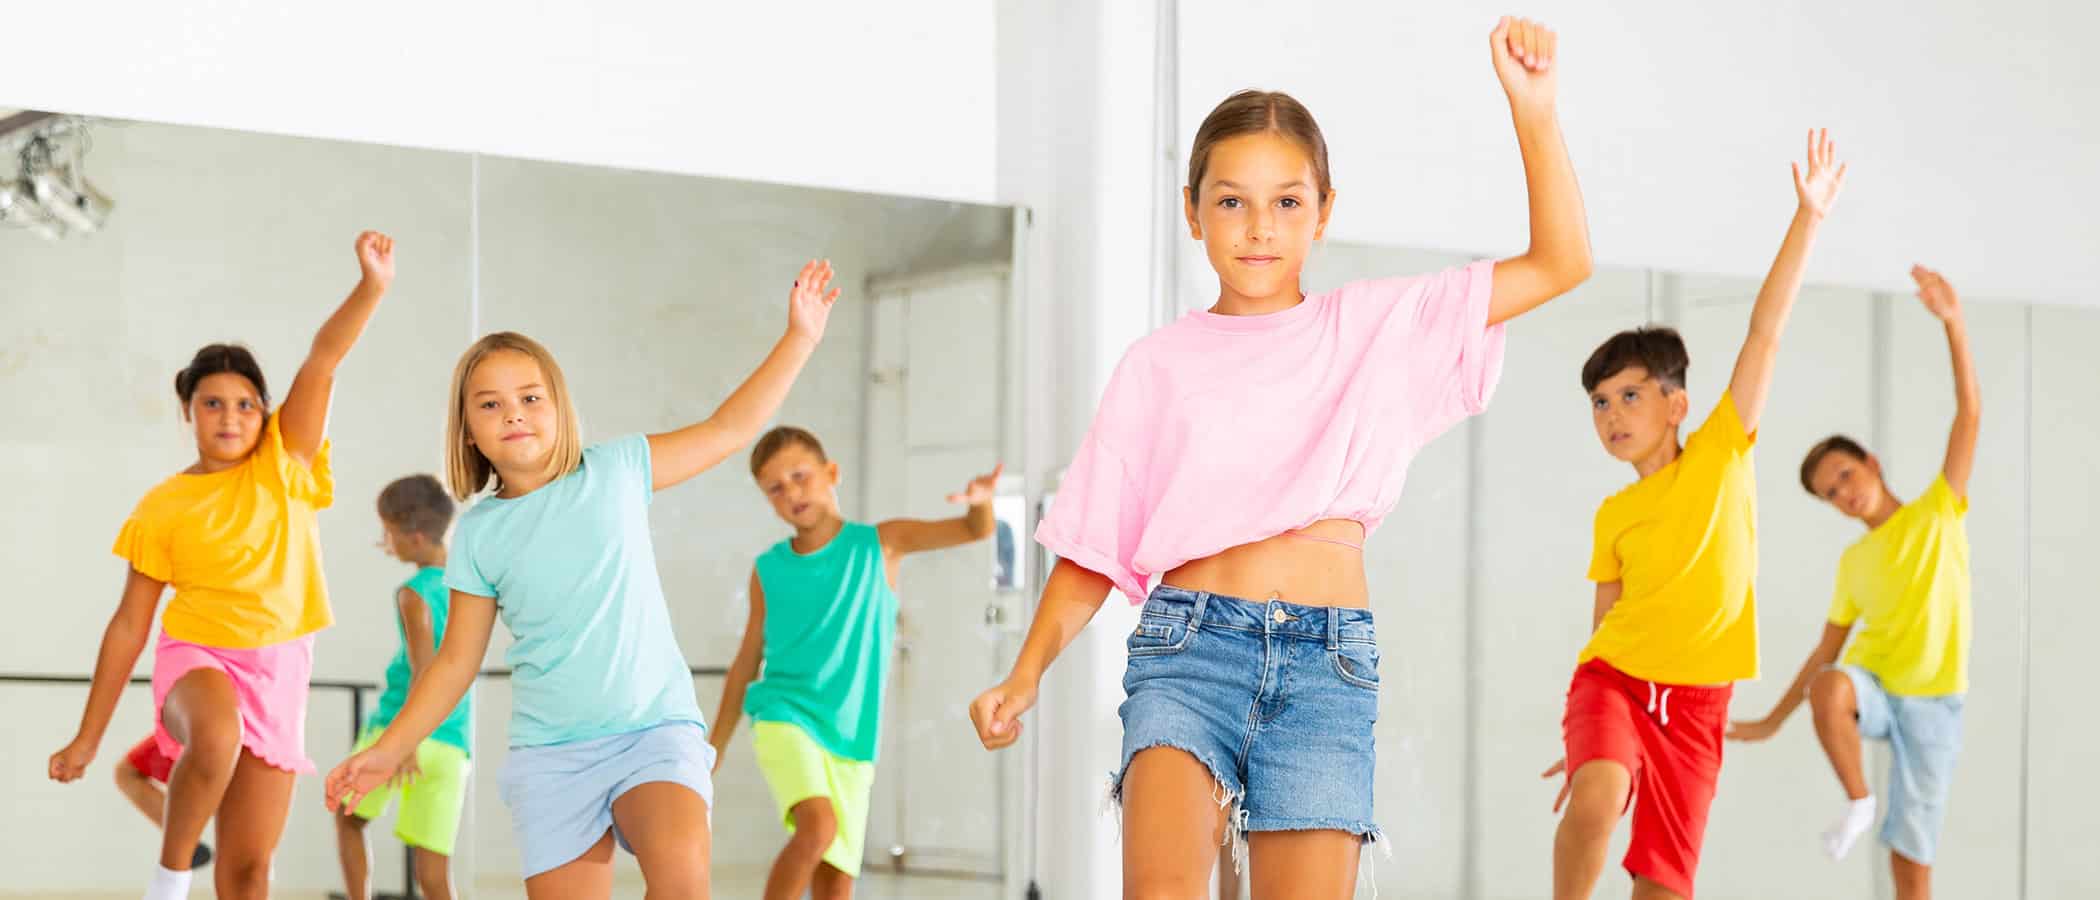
(1334, 628)
(1196, 614)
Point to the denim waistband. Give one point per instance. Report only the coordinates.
(1205, 611)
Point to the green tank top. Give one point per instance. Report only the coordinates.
(830, 620)
(429, 583)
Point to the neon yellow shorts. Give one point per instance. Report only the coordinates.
(431, 804)
(798, 768)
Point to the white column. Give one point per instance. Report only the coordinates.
(1076, 145)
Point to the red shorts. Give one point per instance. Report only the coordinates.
(149, 761)
(1669, 739)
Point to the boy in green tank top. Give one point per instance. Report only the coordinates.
(414, 514)
(823, 614)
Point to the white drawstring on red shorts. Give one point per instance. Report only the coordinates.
(1662, 704)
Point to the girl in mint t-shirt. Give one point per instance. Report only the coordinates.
(607, 743)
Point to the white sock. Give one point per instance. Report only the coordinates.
(168, 884)
(1858, 817)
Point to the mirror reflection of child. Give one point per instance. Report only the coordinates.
(414, 514)
(816, 653)
(1904, 588)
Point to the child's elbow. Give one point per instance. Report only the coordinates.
(1575, 270)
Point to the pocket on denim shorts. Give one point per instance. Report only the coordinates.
(1157, 635)
(1356, 663)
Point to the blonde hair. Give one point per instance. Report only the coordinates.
(469, 472)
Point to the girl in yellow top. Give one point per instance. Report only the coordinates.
(235, 536)
(1906, 585)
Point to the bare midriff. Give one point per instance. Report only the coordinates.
(1321, 564)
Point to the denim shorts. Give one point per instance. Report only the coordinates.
(1277, 700)
(561, 795)
(1924, 737)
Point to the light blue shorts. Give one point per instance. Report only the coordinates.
(1924, 734)
(561, 795)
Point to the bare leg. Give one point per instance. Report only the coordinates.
(201, 714)
(356, 856)
(433, 874)
(666, 824)
(830, 884)
(144, 795)
(1913, 879)
(1228, 874)
(816, 825)
(1309, 864)
(251, 821)
(1171, 825)
(1836, 711)
(587, 877)
(1596, 800)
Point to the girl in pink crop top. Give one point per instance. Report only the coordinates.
(1261, 416)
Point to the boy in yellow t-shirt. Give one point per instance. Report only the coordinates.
(1906, 586)
(1674, 559)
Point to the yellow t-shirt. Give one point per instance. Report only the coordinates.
(1683, 544)
(1909, 579)
(240, 547)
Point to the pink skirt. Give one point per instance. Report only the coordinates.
(269, 686)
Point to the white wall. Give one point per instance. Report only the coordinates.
(1073, 126)
(828, 93)
(1968, 128)
(657, 293)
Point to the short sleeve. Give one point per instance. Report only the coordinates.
(1943, 501)
(143, 542)
(1455, 352)
(629, 459)
(1604, 552)
(1098, 517)
(462, 569)
(1844, 610)
(1722, 431)
(313, 482)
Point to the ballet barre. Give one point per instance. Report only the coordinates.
(356, 690)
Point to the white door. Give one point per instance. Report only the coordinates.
(938, 370)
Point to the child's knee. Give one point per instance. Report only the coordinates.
(1597, 797)
(685, 880)
(1831, 693)
(215, 743)
(815, 823)
(241, 877)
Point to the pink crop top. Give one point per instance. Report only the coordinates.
(1217, 430)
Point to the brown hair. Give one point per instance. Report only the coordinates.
(1654, 348)
(417, 504)
(466, 469)
(1836, 443)
(1257, 112)
(214, 359)
(780, 439)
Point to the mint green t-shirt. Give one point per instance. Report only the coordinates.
(428, 583)
(830, 620)
(572, 569)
